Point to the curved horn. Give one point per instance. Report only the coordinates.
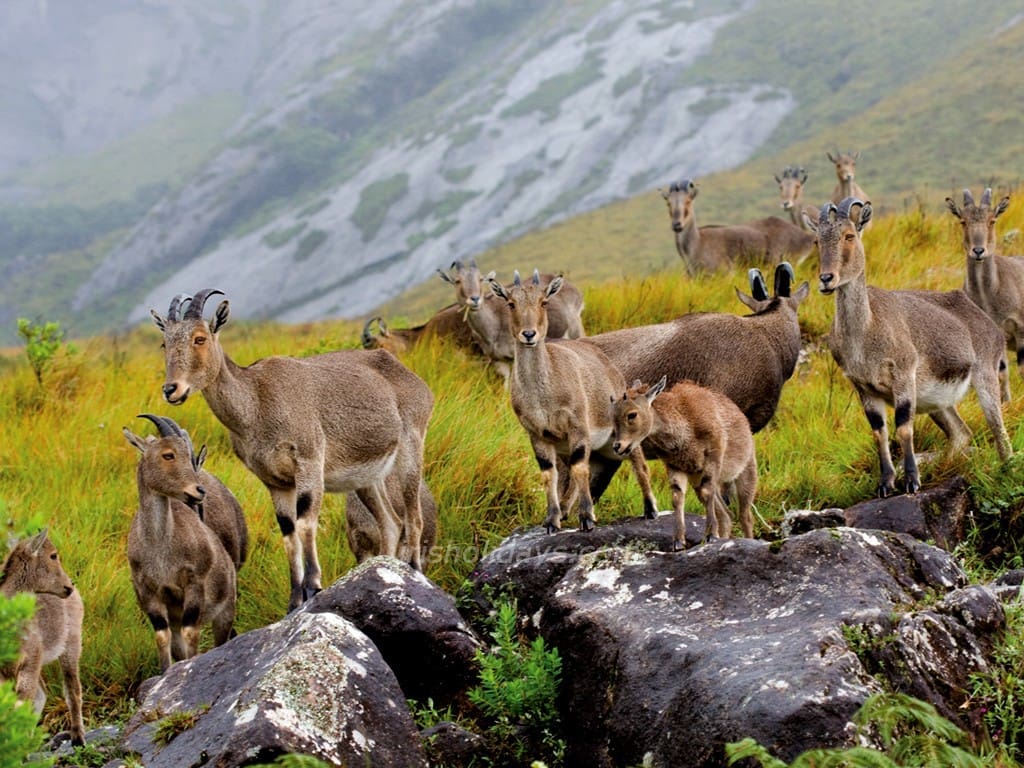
(826, 209)
(170, 428)
(536, 276)
(195, 307)
(175, 308)
(516, 279)
(843, 211)
(784, 277)
(968, 197)
(758, 289)
(986, 196)
(367, 333)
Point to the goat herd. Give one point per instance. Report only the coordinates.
(690, 392)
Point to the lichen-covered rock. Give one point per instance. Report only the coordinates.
(311, 684)
(674, 655)
(938, 514)
(797, 521)
(413, 623)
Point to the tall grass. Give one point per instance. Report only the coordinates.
(64, 461)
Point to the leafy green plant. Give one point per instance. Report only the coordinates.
(998, 694)
(20, 733)
(42, 343)
(518, 691)
(910, 733)
(295, 761)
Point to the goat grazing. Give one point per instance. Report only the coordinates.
(711, 248)
(182, 574)
(336, 422)
(701, 437)
(915, 350)
(445, 323)
(846, 170)
(560, 393)
(994, 282)
(489, 319)
(53, 633)
(791, 192)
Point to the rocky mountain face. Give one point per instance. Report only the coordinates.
(382, 140)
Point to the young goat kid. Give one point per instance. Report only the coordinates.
(182, 574)
(560, 392)
(702, 437)
(915, 350)
(994, 282)
(54, 631)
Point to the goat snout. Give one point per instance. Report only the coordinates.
(826, 282)
(170, 390)
(529, 337)
(620, 448)
(473, 302)
(787, 204)
(677, 226)
(68, 589)
(978, 252)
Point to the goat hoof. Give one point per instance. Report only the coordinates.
(678, 546)
(309, 593)
(551, 527)
(650, 514)
(586, 524)
(913, 486)
(885, 490)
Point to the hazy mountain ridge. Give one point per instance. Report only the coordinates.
(377, 142)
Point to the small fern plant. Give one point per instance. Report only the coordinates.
(910, 732)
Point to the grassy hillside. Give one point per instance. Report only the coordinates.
(65, 462)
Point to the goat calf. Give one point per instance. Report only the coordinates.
(182, 574)
(702, 437)
(55, 630)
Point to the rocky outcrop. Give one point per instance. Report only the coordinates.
(674, 655)
(311, 684)
(413, 623)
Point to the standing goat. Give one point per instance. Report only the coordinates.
(336, 422)
(183, 575)
(915, 350)
(53, 633)
(489, 319)
(711, 248)
(791, 192)
(701, 437)
(994, 282)
(846, 170)
(560, 392)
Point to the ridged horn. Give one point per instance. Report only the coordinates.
(536, 276)
(986, 196)
(758, 288)
(784, 277)
(173, 311)
(195, 307)
(968, 197)
(367, 333)
(826, 209)
(843, 211)
(168, 427)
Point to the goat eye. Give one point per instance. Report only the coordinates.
(53, 555)
(631, 417)
(511, 305)
(199, 341)
(168, 456)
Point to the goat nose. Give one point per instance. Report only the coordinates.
(826, 278)
(529, 335)
(200, 491)
(474, 301)
(677, 227)
(169, 389)
(978, 252)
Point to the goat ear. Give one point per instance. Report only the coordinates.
(134, 439)
(157, 320)
(657, 389)
(664, 194)
(497, 288)
(829, 156)
(809, 222)
(803, 176)
(445, 276)
(953, 207)
(748, 301)
(777, 179)
(200, 458)
(1003, 205)
(220, 317)
(801, 293)
(865, 216)
(554, 286)
(35, 544)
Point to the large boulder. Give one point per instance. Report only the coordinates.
(311, 684)
(672, 655)
(413, 623)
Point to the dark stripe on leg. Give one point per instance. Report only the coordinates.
(876, 420)
(902, 414)
(286, 524)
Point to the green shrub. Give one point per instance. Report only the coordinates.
(20, 733)
(42, 343)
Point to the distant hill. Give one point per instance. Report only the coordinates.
(315, 162)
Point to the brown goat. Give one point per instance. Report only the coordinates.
(701, 437)
(710, 248)
(446, 323)
(918, 351)
(994, 282)
(336, 422)
(846, 170)
(791, 191)
(489, 319)
(181, 572)
(53, 633)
